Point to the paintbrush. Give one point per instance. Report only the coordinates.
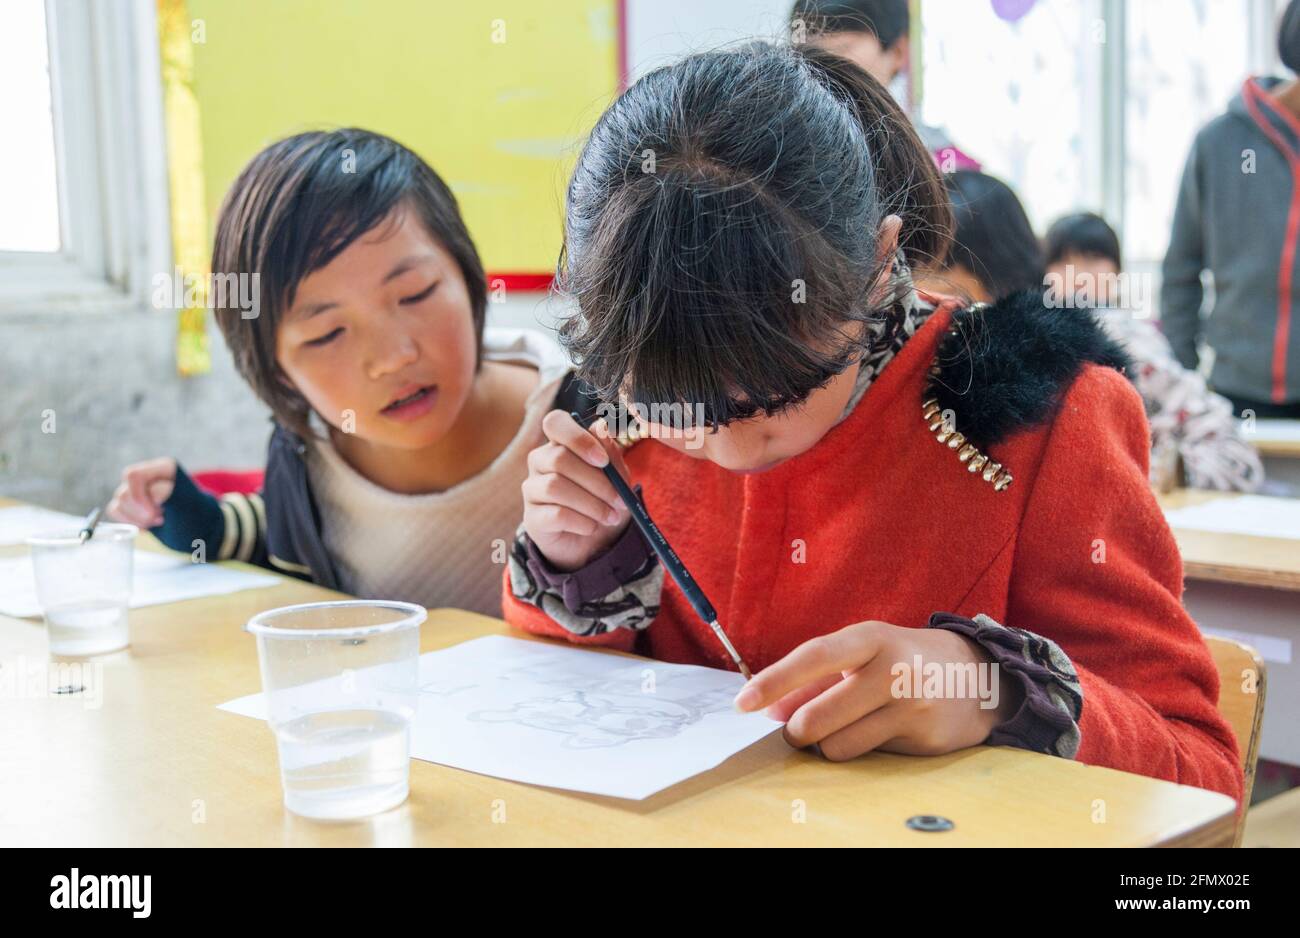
(92, 520)
(668, 557)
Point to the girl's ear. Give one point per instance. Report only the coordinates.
(885, 250)
(902, 52)
(888, 233)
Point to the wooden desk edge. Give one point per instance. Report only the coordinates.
(1216, 832)
(1206, 571)
(1283, 449)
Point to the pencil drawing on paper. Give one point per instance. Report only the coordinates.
(445, 688)
(610, 710)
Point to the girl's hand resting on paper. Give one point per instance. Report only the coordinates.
(838, 691)
(145, 487)
(571, 510)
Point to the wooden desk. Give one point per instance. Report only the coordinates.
(1248, 588)
(1242, 559)
(155, 763)
(1280, 448)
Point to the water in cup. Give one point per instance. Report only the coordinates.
(340, 681)
(94, 627)
(344, 763)
(85, 588)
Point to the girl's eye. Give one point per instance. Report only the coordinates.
(419, 297)
(325, 339)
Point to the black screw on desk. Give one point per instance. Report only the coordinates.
(929, 823)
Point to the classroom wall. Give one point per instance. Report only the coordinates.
(660, 31)
(111, 382)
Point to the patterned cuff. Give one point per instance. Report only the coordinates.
(619, 565)
(620, 589)
(1048, 719)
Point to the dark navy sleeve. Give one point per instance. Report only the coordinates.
(190, 515)
(232, 527)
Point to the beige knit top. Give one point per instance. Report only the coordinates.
(446, 548)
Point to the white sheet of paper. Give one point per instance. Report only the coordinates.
(158, 578)
(1259, 515)
(20, 522)
(570, 718)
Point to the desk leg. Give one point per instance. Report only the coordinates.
(1268, 620)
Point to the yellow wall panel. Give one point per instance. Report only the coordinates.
(497, 96)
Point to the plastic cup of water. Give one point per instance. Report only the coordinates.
(85, 589)
(341, 684)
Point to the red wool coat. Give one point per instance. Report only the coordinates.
(890, 525)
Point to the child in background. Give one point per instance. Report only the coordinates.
(994, 252)
(402, 426)
(1083, 260)
(852, 510)
(874, 35)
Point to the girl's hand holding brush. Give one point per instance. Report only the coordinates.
(571, 511)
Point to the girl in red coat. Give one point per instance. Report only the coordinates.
(878, 490)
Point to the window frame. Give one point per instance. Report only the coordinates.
(110, 155)
(1107, 155)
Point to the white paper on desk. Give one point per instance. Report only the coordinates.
(158, 578)
(20, 522)
(571, 718)
(1256, 515)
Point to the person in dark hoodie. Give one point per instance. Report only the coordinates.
(1238, 216)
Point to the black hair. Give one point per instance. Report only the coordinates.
(1288, 36)
(1082, 233)
(909, 184)
(721, 236)
(296, 206)
(887, 20)
(992, 237)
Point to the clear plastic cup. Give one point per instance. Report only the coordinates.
(85, 589)
(341, 682)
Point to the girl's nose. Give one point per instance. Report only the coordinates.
(392, 353)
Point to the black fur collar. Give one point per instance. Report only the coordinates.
(1005, 367)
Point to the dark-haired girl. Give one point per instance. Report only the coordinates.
(402, 425)
(888, 482)
(994, 251)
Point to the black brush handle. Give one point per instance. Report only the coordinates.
(658, 543)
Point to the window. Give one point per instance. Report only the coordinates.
(1020, 97)
(1185, 61)
(28, 187)
(81, 155)
(1089, 104)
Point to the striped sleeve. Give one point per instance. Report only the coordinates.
(244, 528)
